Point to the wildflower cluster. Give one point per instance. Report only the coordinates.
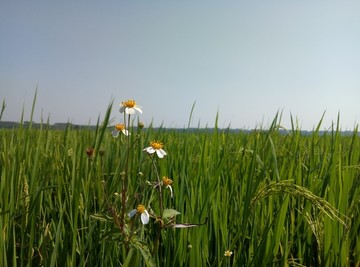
(142, 196)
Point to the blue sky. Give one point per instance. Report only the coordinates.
(245, 60)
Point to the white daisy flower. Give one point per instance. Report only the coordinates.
(228, 253)
(156, 146)
(167, 182)
(144, 215)
(120, 128)
(129, 107)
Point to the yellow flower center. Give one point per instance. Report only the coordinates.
(156, 145)
(129, 103)
(167, 181)
(140, 208)
(120, 127)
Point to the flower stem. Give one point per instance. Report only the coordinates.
(158, 235)
(125, 177)
(160, 189)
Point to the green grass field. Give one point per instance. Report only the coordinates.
(271, 198)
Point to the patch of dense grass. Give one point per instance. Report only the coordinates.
(271, 198)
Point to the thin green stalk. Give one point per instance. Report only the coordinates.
(126, 176)
(2, 108)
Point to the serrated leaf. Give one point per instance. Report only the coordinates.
(169, 213)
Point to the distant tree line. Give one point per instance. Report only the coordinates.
(64, 126)
(55, 126)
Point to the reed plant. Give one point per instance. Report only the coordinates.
(268, 197)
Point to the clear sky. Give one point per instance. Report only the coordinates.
(245, 60)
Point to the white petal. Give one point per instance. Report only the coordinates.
(115, 133)
(160, 155)
(138, 109)
(169, 186)
(150, 150)
(125, 132)
(145, 217)
(122, 109)
(129, 111)
(132, 213)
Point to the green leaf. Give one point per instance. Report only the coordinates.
(145, 252)
(115, 232)
(169, 213)
(101, 217)
(128, 258)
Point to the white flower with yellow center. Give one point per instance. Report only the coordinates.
(156, 146)
(120, 128)
(129, 107)
(167, 182)
(228, 253)
(144, 215)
